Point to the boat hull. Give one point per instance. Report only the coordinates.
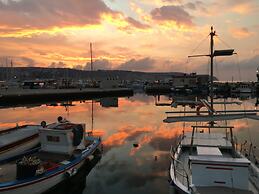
(20, 148)
(41, 183)
(17, 140)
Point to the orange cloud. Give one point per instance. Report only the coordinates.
(240, 33)
(11, 125)
(244, 8)
(124, 133)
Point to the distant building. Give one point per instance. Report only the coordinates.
(185, 81)
(37, 84)
(110, 82)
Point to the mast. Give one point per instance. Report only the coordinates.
(212, 34)
(91, 52)
(92, 107)
(213, 53)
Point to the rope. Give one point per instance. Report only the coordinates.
(200, 43)
(216, 67)
(225, 43)
(238, 67)
(194, 50)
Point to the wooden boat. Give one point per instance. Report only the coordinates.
(64, 148)
(17, 140)
(210, 162)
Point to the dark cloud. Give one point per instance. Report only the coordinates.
(136, 23)
(226, 68)
(17, 61)
(196, 6)
(172, 13)
(135, 135)
(190, 5)
(99, 64)
(160, 143)
(57, 65)
(49, 13)
(116, 173)
(46, 14)
(78, 67)
(145, 64)
(172, 1)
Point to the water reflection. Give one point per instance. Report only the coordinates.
(77, 183)
(127, 121)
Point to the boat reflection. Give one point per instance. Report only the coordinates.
(77, 183)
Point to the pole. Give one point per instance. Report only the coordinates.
(212, 34)
(92, 116)
(91, 52)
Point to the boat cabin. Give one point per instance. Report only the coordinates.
(62, 137)
(211, 159)
(212, 167)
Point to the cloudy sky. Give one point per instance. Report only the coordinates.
(140, 35)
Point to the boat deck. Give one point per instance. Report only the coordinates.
(206, 139)
(48, 161)
(184, 157)
(17, 134)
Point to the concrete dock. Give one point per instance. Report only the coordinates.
(20, 96)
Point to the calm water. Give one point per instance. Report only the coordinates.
(135, 120)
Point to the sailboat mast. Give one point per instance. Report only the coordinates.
(212, 34)
(91, 52)
(92, 117)
(92, 111)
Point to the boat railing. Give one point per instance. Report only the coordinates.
(180, 172)
(250, 151)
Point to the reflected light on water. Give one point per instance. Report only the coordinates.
(136, 120)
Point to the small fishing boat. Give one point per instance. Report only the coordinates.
(64, 148)
(17, 140)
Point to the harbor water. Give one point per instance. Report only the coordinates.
(136, 142)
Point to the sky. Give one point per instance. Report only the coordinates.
(138, 35)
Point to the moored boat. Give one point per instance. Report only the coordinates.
(210, 162)
(64, 148)
(17, 140)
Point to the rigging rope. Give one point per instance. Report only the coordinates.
(201, 42)
(240, 78)
(194, 50)
(238, 67)
(225, 43)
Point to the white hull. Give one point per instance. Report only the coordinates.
(41, 185)
(13, 151)
(15, 141)
(186, 186)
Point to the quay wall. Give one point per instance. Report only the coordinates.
(20, 96)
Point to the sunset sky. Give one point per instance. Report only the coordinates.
(140, 35)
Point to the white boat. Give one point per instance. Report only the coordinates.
(244, 88)
(210, 163)
(64, 149)
(17, 140)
